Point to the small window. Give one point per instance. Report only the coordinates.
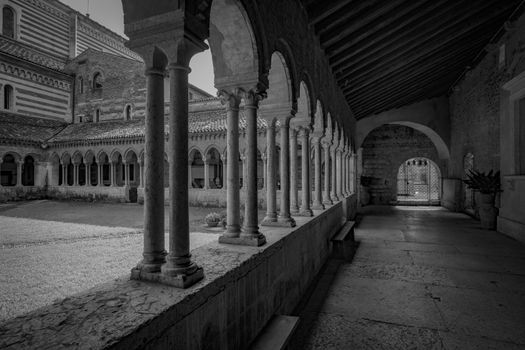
(97, 115)
(81, 85)
(97, 81)
(8, 97)
(80, 119)
(8, 22)
(128, 112)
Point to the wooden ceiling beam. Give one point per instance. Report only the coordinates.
(443, 46)
(381, 23)
(337, 30)
(441, 22)
(320, 10)
(346, 14)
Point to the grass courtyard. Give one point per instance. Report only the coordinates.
(54, 249)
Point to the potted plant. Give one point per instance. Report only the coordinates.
(365, 189)
(487, 185)
(212, 219)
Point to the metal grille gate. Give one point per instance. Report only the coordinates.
(418, 182)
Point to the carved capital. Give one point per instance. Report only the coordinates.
(231, 100)
(253, 97)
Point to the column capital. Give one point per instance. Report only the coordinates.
(303, 130)
(252, 97)
(230, 99)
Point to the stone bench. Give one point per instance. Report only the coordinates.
(343, 242)
(276, 333)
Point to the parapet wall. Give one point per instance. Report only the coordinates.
(242, 289)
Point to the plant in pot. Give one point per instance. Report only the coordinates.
(212, 219)
(487, 185)
(365, 181)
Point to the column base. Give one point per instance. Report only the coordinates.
(328, 202)
(306, 212)
(286, 221)
(249, 240)
(179, 280)
(318, 206)
(294, 210)
(269, 221)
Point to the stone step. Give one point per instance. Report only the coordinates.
(276, 333)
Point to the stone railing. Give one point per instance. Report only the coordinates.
(242, 289)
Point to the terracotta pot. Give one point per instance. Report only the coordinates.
(487, 211)
(212, 223)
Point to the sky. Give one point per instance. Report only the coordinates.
(109, 14)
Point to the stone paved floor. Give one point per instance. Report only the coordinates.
(422, 278)
(53, 249)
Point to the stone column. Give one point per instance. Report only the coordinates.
(305, 173)
(75, 174)
(339, 173)
(126, 174)
(224, 171)
(343, 173)
(206, 173)
(327, 176)
(112, 174)
(100, 174)
(88, 174)
(190, 177)
(333, 187)
(250, 234)
(141, 174)
(179, 265)
(265, 170)
(284, 213)
(154, 254)
(233, 226)
(318, 191)
(353, 163)
(271, 201)
(294, 195)
(19, 164)
(243, 159)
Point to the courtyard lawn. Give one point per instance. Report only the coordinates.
(52, 249)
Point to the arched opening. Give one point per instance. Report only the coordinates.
(92, 169)
(28, 171)
(97, 81)
(215, 168)
(104, 162)
(81, 85)
(418, 182)
(8, 22)
(8, 170)
(132, 164)
(55, 176)
(196, 169)
(127, 113)
(469, 199)
(8, 97)
(97, 115)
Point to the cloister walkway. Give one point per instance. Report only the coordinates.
(422, 278)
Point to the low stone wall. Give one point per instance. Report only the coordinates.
(16, 193)
(511, 219)
(95, 193)
(242, 289)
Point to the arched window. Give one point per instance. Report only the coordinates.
(97, 115)
(97, 81)
(28, 171)
(8, 97)
(81, 85)
(127, 112)
(8, 22)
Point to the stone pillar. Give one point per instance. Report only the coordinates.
(141, 174)
(343, 173)
(265, 170)
(271, 201)
(126, 174)
(294, 197)
(339, 173)
(190, 177)
(154, 254)
(284, 213)
(88, 174)
(224, 171)
(112, 174)
(333, 187)
(206, 173)
(327, 174)
(75, 174)
(179, 265)
(243, 159)
(305, 173)
(318, 191)
(353, 164)
(19, 164)
(233, 226)
(100, 174)
(250, 233)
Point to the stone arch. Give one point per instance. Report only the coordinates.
(77, 157)
(431, 117)
(234, 48)
(114, 155)
(283, 48)
(89, 156)
(102, 156)
(9, 168)
(209, 148)
(65, 158)
(319, 116)
(130, 154)
(215, 166)
(196, 168)
(419, 180)
(280, 97)
(304, 105)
